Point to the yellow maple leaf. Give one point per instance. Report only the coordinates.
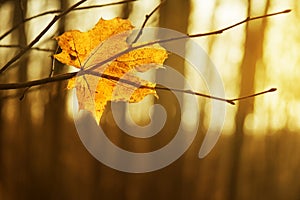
(90, 50)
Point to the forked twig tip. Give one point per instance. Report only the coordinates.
(254, 95)
(230, 101)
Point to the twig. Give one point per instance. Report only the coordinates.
(26, 20)
(248, 19)
(23, 51)
(67, 76)
(253, 95)
(61, 77)
(53, 64)
(59, 11)
(102, 5)
(131, 48)
(19, 94)
(22, 47)
(90, 70)
(195, 93)
(23, 93)
(147, 17)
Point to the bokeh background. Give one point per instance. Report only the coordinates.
(257, 156)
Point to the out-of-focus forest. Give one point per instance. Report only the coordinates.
(257, 156)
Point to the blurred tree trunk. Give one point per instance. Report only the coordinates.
(252, 56)
(55, 127)
(22, 172)
(173, 15)
(33, 150)
(126, 10)
(11, 174)
(1, 147)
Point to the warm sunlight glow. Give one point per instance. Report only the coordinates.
(281, 58)
(278, 68)
(225, 50)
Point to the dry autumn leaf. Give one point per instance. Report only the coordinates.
(86, 50)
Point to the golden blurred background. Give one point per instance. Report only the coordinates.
(42, 157)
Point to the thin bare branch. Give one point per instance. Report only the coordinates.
(248, 19)
(61, 77)
(131, 48)
(147, 17)
(103, 5)
(42, 33)
(18, 95)
(53, 63)
(195, 93)
(26, 20)
(59, 11)
(67, 76)
(22, 96)
(90, 70)
(22, 47)
(253, 95)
